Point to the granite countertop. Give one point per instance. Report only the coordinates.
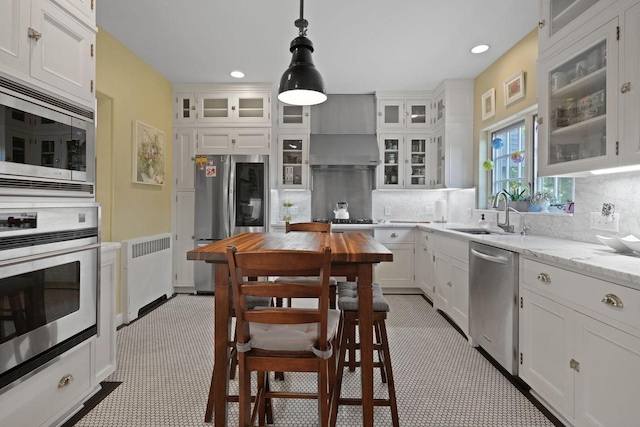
(589, 258)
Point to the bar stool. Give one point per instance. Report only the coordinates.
(348, 303)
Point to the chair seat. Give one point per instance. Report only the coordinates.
(299, 337)
(348, 297)
(254, 301)
(332, 281)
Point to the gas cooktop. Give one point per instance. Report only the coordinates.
(344, 221)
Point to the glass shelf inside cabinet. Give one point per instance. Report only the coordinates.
(292, 114)
(215, 107)
(577, 107)
(418, 160)
(565, 11)
(391, 159)
(250, 107)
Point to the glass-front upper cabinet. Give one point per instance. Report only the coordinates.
(392, 157)
(560, 17)
(579, 114)
(391, 114)
(436, 161)
(418, 114)
(293, 153)
(228, 107)
(404, 113)
(293, 116)
(418, 161)
(185, 108)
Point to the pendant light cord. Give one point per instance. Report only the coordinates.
(302, 23)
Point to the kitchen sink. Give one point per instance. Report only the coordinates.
(472, 230)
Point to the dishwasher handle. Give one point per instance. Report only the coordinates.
(491, 258)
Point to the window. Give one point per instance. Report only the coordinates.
(515, 163)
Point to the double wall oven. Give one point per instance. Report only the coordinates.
(49, 258)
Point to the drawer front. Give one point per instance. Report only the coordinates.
(393, 235)
(597, 295)
(45, 392)
(458, 249)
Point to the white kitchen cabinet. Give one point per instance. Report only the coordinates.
(400, 272)
(560, 19)
(403, 110)
(44, 44)
(629, 145)
(293, 158)
(451, 279)
(104, 347)
(580, 344)
(405, 160)
(233, 140)
(222, 106)
(185, 203)
(425, 260)
(453, 102)
(450, 157)
(293, 117)
(184, 158)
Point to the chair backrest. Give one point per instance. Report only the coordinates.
(308, 226)
(244, 266)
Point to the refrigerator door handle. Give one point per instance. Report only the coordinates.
(230, 194)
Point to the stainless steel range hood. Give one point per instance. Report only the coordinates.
(343, 132)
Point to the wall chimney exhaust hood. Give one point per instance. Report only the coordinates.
(343, 132)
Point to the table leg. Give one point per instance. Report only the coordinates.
(365, 318)
(220, 379)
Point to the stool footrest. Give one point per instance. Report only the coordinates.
(358, 402)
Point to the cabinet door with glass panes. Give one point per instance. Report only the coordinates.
(629, 153)
(435, 177)
(253, 107)
(417, 112)
(417, 161)
(293, 161)
(578, 124)
(561, 18)
(228, 107)
(293, 116)
(391, 114)
(391, 170)
(184, 108)
(214, 107)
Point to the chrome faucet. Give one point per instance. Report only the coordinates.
(506, 225)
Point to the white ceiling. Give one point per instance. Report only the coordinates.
(361, 46)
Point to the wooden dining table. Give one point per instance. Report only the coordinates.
(352, 255)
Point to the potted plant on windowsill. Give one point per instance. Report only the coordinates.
(518, 197)
(539, 202)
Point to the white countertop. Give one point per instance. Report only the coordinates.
(589, 258)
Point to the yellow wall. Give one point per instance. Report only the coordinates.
(130, 90)
(522, 56)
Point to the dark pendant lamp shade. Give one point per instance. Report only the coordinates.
(301, 83)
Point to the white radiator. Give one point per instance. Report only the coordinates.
(146, 273)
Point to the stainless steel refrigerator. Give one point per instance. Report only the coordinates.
(232, 197)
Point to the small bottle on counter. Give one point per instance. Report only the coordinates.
(483, 223)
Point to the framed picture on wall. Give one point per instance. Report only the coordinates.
(489, 104)
(514, 88)
(148, 154)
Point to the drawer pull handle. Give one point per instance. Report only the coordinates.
(65, 381)
(613, 300)
(394, 234)
(544, 277)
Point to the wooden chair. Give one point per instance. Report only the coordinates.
(319, 227)
(283, 339)
(348, 303)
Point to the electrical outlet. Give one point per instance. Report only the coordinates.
(469, 213)
(599, 222)
(387, 210)
(293, 210)
(428, 210)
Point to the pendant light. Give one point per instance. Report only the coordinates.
(301, 83)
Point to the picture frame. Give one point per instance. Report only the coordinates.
(514, 88)
(148, 154)
(489, 104)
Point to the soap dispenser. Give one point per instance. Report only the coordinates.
(483, 223)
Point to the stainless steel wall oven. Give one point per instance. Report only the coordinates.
(49, 278)
(47, 146)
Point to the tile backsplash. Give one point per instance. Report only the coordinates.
(411, 205)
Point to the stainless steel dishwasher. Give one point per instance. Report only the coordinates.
(493, 303)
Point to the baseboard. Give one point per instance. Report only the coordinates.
(401, 291)
(118, 320)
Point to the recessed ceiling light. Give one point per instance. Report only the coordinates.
(480, 48)
(237, 74)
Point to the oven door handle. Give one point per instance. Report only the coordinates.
(36, 257)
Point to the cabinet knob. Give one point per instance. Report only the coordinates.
(449, 283)
(394, 234)
(541, 23)
(233, 107)
(233, 141)
(426, 237)
(613, 300)
(65, 381)
(544, 277)
(625, 87)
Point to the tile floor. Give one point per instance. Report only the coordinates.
(165, 363)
